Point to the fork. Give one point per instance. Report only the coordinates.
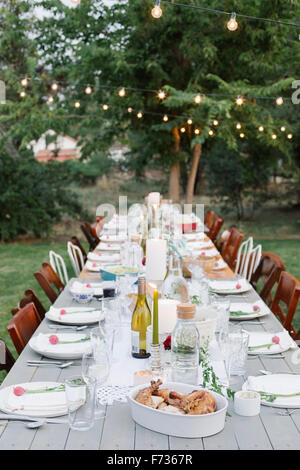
(286, 412)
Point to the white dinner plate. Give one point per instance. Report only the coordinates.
(248, 309)
(4, 392)
(72, 320)
(230, 287)
(51, 351)
(260, 338)
(276, 383)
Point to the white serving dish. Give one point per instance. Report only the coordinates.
(179, 425)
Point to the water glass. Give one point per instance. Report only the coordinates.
(96, 366)
(239, 341)
(222, 305)
(80, 396)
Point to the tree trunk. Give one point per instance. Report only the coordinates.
(174, 178)
(193, 173)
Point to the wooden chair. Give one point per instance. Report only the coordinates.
(90, 235)
(6, 358)
(208, 219)
(30, 296)
(76, 258)
(230, 249)
(74, 240)
(268, 270)
(287, 292)
(22, 326)
(57, 263)
(47, 278)
(215, 228)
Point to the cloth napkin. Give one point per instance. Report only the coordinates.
(80, 288)
(229, 286)
(43, 344)
(36, 402)
(198, 245)
(219, 265)
(108, 247)
(74, 314)
(258, 338)
(276, 384)
(194, 236)
(205, 253)
(113, 238)
(103, 258)
(250, 307)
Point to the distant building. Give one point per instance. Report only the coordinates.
(62, 149)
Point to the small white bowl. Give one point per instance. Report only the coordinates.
(247, 403)
(179, 425)
(82, 298)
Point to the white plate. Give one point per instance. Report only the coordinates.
(219, 265)
(206, 253)
(277, 383)
(70, 321)
(33, 343)
(47, 414)
(220, 286)
(259, 338)
(245, 307)
(108, 247)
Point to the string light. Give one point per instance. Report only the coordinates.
(232, 24)
(239, 101)
(290, 136)
(242, 135)
(76, 2)
(215, 122)
(197, 99)
(105, 107)
(197, 131)
(279, 101)
(122, 92)
(182, 129)
(161, 94)
(189, 121)
(211, 132)
(165, 118)
(77, 104)
(156, 11)
(238, 126)
(130, 110)
(54, 86)
(283, 129)
(22, 94)
(261, 128)
(88, 90)
(274, 136)
(50, 99)
(24, 81)
(139, 115)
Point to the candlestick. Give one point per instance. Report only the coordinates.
(155, 318)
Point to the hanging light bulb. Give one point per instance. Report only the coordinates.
(279, 101)
(197, 131)
(156, 12)
(22, 94)
(77, 104)
(261, 128)
(232, 24)
(290, 136)
(182, 130)
(165, 118)
(242, 135)
(50, 99)
(139, 115)
(238, 126)
(76, 2)
(239, 100)
(283, 129)
(88, 90)
(215, 122)
(161, 94)
(105, 107)
(274, 136)
(54, 86)
(189, 121)
(24, 81)
(122, 92)
(197, 99)
(211, 132)
(130, 110)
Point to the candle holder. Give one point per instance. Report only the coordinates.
(155, 360)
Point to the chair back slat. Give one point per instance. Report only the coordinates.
(243, 257)
(208, 219)
(30, 296)
(215, 228)
(90, 235)
(47, 278)
(230, 249)
(58, 265)
(268, 270)
(74, 240)
(22, 326)
(76, 258)
(287, 292)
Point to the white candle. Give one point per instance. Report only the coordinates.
(156, 259)
(154, 198)
(167, 315)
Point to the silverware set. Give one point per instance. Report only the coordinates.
(68, 327)
(60, 364)
(31, 422)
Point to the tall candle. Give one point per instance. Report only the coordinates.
(156, 259)
(155, 318)
(167, 315)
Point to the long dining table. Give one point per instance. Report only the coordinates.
(117, 431)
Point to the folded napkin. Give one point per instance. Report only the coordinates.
(194, 236)
(108, 247)
(198, 245)
(229, 287)
(80, 288)
(53, 401)
(248, 308)
(66, 343)
(103, 258)
(219, 265)
(274, 385)
(279, 341)
(113, 238)
(205, 253)
(74, 314)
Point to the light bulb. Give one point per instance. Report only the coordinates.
(165, 118)
(76, 2)
(140, 115)
(22, 94)
(24, 81)
(290, 136)
(239, 126)
(279, 101)
(122, 92)
(54, 86)
(77, 104)
(156, 12)
(197, 99)
(261, 128)
(242, 135)
(130, 110)
(88, 90)
(211, 132)
(182, 130)
(232, 24)
(50, 99)
(283, 129)
(161, 95)
(274, 136)
(189, 121)
(239, 101)
(197, 131)
(105, 107)
(215, 122)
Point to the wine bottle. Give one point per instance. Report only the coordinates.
(141, 319)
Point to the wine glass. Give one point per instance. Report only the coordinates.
(96, 365)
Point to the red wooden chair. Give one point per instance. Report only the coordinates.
(74, 240)
(30, 296)
(208, 219)
(268, 270)
(22, 326)
(215, 228)
(6, 358)
(47, 278)
(230, 248)
(90, 235)
(287, 292)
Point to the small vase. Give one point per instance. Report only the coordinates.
(155, 360)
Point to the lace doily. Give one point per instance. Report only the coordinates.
(107, 394)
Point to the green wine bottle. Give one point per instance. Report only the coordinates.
(141, 319)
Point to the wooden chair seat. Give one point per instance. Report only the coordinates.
(288, 293)
(230, 248)
(268, 270)
(30, 296)
(47, 278)
(6, 358)
(22, 326)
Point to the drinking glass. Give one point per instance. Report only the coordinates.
(80, 396)
(96, 366)
(222, 305)
(239, 341)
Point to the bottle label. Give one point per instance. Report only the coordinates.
(135, 341)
